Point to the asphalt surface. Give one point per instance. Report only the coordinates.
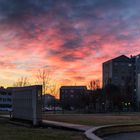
(124, 136)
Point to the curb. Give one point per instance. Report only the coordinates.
(90, 134)
(63, 125)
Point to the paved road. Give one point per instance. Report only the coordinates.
(124, 136)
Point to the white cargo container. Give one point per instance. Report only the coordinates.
(27, 103)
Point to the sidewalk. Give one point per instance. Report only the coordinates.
(4, 116)
(82, 128)
(64, 125)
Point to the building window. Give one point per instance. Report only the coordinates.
(71, 96)
(116, 70)
(123, 78)
(65, 91)
(72, 91)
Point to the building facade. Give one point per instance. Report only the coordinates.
(118, 71)
(48, 100)
(124, 72)
(136, 75)
(72, 97)
(5, 99)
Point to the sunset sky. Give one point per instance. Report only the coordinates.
(70, 38)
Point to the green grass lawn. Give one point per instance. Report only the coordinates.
(95, 119)
(13, 132)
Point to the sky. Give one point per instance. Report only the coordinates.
(70, 38)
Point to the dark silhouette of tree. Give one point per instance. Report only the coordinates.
(53, 88)
(43, 77)
(93, 96)
(54, 91)
(94, 84)
(21, 82)
(113, 97)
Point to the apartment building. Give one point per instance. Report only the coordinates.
(5, 99)
(124, 72)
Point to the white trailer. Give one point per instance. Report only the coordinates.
(27, 103)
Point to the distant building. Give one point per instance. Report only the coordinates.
(72, 97)
(48, 100)
(5, 99)
(94, 101)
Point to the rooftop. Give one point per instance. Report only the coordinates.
(73, 87)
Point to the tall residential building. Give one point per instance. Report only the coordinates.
(124, 72)
(136, 75)
(117, 71)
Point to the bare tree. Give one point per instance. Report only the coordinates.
(53, 91)
(94, 84)
(43, 78)
(54, 88)
(21, 82)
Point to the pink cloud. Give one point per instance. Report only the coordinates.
(71, 43)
